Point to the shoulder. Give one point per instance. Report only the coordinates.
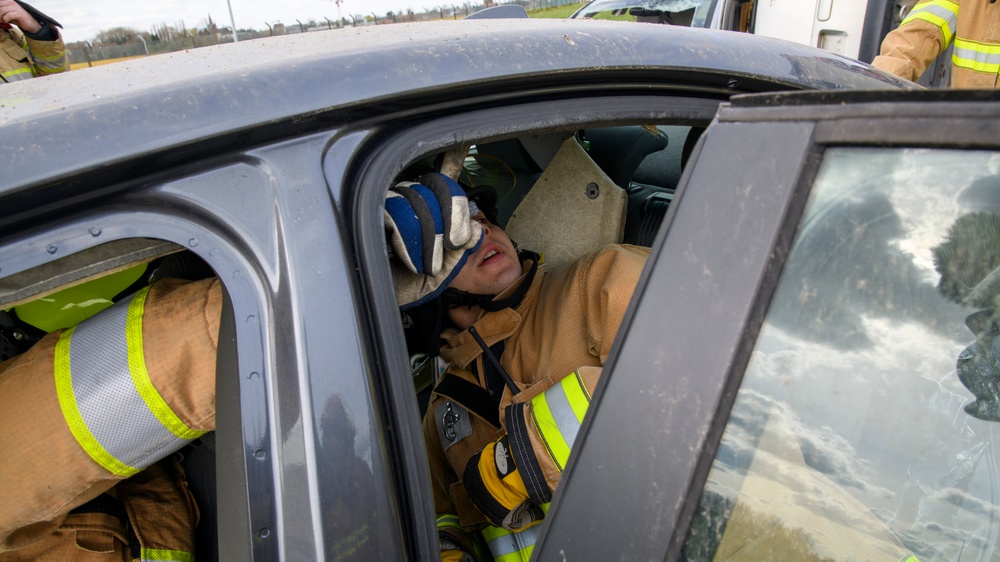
(612, 259)
(12, 34)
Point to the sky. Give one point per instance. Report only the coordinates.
(83, 20)
(855, 373)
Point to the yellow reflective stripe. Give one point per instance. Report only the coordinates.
(140, 376)
(446, 521)
(510, 546)
(549, 431)
(71, 412)
(576, 394)
(909, 558)
(17, 72)
(940, 13)
(558, 414)
(981, 57)
(161, 555)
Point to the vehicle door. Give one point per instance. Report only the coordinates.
(809, 371)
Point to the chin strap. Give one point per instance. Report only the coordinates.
(453, 298)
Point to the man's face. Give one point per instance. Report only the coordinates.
(493, 267)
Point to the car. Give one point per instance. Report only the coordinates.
(786, 324)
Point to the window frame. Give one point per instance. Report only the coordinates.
(387, 154)
(643, 492)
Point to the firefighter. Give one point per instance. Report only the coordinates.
(30, 44)
(525, 347)
(931, 27)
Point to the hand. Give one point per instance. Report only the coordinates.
(13, 13)
(494, 485)
(430, 236)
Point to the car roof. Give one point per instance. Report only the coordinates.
(55, 127)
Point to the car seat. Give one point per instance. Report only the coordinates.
(574, 208)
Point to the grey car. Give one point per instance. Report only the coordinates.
(786, 384)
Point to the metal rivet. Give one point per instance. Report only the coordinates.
(264, 533)
(254, 376)
(732, 84)
(593, 190)
(259, 455)
(193, 242)
(95, 231)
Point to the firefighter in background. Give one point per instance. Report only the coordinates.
(931, 27)
(30, 44)
(525, 347)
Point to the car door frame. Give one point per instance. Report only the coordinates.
(633, 483)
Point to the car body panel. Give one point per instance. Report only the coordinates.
(270, 159)
(215, 95)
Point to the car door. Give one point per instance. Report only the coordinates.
(808, 371)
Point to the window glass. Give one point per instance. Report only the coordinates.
(864, 426)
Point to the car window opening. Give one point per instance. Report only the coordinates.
(595, 197)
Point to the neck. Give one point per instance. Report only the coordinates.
(464, 316)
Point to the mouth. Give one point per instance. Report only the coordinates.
(489, 255)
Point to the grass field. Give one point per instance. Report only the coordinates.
(558, 12)
(78, 65)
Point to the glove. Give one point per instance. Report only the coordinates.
(430, 236)
(495, 487)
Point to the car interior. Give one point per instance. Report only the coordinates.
(610, 184)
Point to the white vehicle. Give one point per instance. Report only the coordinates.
(852, 28)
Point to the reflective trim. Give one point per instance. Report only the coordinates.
(981, 57)
(508, 546)
(448, 521)
(941, 13)
(140, 376)
(17, 74)
(558, 414)
(106, 396)
(161, 555)
(46, 65)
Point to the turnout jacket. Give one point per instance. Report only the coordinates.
(566, 323)
(22, 57)
(933, 25)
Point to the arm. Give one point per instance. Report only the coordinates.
(920, 38)
(41, 39)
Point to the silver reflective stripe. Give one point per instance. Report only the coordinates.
(558, 414)
(976, 56)
(510, 543)
(17, 75)
(104, 390)
(562, 413)
(940, 10)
